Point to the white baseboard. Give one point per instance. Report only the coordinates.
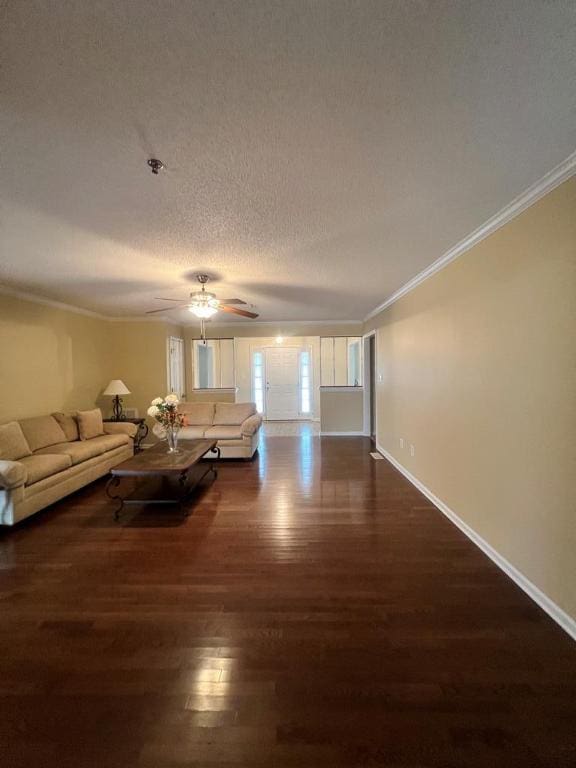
(342, 434)
(567, 623)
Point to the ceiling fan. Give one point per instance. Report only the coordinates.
(204, 304)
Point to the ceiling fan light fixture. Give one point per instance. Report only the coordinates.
(203, 304)
(202, 310)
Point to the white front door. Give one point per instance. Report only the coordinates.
(282, 383)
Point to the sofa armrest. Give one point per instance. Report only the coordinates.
(251, 424)
(12, 474)
(120, 428)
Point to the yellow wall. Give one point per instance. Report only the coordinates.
(55, 359)
(341, 410)
(58, 359)
(50, 359)
(479, 374)
(139, 358)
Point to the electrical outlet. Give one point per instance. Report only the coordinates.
(411, 450)
(401, 442)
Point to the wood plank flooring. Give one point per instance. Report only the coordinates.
(313, 610)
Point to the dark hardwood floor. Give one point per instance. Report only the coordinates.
(313, 610)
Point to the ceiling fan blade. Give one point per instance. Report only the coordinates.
(235, 311)
(180, 301)
(233, 301)
(164, 309)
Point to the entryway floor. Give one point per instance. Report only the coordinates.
(290, 428)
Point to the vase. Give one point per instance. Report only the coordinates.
(172, 439)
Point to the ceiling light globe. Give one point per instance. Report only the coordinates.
(204, 311)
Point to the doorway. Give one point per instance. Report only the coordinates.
(372, 342)
(370, 428)
(282, 383)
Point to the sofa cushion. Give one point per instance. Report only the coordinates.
(90, 424)
(69, 425)
(79, 451)
(110, 442)
(82, 450)
(13, 444)
(233, 413)
(197, 414)
(42, 431)
(191, 433)
(225, 432)
(40, 466)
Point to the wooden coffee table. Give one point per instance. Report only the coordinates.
(165, 475)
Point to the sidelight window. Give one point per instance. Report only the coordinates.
(258, 381)
(305, 386)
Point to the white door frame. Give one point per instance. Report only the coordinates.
(367, 381)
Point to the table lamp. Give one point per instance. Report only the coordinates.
(115, 389)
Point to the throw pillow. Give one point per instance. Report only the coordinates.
(200, 414)
(233, 413)
(42, 431)
(69, 426)
(90, 424)
(13, 445)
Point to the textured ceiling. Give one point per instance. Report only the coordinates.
(318, 154)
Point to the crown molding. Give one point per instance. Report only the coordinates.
(237, 323)
(250, 323)
(546, 184)
(142, 319)
(33, 297)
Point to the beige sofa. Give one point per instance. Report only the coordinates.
(235, 425)
(44, 459)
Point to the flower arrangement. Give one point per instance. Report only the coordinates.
(165, 412)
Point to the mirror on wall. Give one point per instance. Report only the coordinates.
(213, 363)
(341, 361)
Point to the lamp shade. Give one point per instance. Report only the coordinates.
(116, 387)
